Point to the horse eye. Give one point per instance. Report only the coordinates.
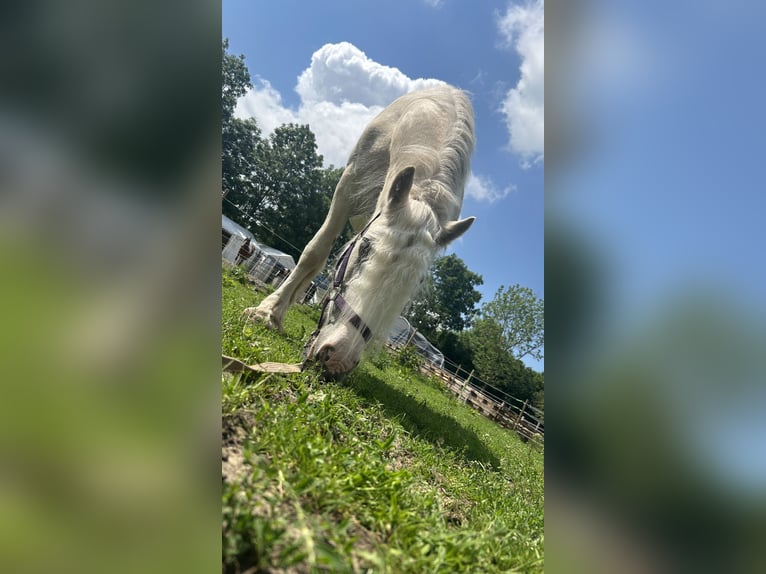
(364, 249)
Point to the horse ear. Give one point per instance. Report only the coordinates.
(401, 187)
(453, 230)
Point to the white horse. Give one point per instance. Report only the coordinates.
(405, 181)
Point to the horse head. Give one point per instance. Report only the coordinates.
(378, 272)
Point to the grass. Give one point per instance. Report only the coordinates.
(385, 472)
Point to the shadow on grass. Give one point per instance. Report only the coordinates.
(421, 420)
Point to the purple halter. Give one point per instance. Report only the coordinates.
(336, 293)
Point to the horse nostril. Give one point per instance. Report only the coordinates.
(325, 352)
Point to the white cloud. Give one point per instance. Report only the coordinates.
(340, 93)
(434, 3)
(264, 103)
(523, 28)
(482, 188)
(343, 73)
(337, 127)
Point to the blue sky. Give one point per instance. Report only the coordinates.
(667, 103)
(492, 49)
(668, 184)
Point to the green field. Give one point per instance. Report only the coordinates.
(385, 472)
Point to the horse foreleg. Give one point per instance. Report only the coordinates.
(272, 309)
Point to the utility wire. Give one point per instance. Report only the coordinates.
(259, 224)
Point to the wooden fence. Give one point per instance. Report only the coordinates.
(507, 411)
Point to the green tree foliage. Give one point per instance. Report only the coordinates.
(239, 169)
(496, 366)
(456, 347)
(293, 202)
(447, 300)
(239, 140)
(274, 186)
(519, 316)
(510, 328)
(235, 81)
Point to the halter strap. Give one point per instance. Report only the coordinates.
(354, 319)
(340, 274)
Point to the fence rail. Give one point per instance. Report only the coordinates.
(511, 413)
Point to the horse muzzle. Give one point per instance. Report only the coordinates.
(334, 357)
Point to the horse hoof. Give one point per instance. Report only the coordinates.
(250, 314)
(255, 314)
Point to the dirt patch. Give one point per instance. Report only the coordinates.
(365, 541)
(454, 509)
(234, 468)
(234, 429)
(398, 457)
(235, 426)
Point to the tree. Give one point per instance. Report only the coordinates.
(455, 346)
(519, 316)
(510, 328)
(292, 201)
(240, 176)
(277, 182)
(447, 300)
(496, 366)
(239, 141)
(235, 81)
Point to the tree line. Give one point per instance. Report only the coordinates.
(276, 187)
(490, 340)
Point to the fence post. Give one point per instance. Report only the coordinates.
(499, 410)
(465, 384)
(521, 414)
(414, 332)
